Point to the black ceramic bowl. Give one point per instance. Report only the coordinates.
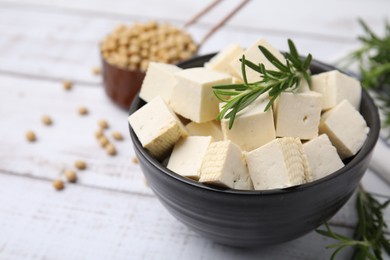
(256, 218)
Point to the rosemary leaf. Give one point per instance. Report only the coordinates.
(231, 86)
(278, 64)
(292, 48)
(369, 239)
(285, 77)
(243, 70)
(373, 59)
(252, 65)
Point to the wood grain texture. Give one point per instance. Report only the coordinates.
(110, 213)
(71, 137)
(320, 19)
(60, 44)
(83, 223)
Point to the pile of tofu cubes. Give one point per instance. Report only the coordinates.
(305, 136)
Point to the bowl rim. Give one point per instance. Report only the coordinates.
(366, 149)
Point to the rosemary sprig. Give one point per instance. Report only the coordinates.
(373, 58)
(286, 77)
(369, 238)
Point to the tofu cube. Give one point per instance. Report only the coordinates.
(322, 156)
(211, 128)
(159, 81)
(335, 87)
(187, 156)
(254, 54)
(278, 164)
(345, 127)
(157, 127)
(222, 61)
(252, 127)
(193, 96)
(302, 87)
(298, 114)
(236, 80)
(223, 165)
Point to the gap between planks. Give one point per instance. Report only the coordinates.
(332, 222)
(74, 48)
(89, 182)
(36, 224)
(83, 185)
(23, 75)
(30, 176)
(335, 223)
(132, 17)
(70, 138)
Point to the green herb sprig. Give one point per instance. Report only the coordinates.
(369, 238)
(286, 77)
(373, 59)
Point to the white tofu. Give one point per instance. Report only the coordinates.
(322, 157)
(277, 164)
(222, 61)
(302, 87)
(157, 127)
(236, 80)
(187, 156)
(335, 87)
(211, 128)
(298, 114)
(223, 165)
(254, 55)
(193, 96)
(159, 81)
(345, 127)
(252, 127)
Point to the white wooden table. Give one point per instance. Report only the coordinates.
(110, 213)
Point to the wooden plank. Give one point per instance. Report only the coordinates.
(110, 213)
(71, 137)
(22, 104)
(60, 45)
(83, 223)
(80, 217)
(330, 18)
(50, 45)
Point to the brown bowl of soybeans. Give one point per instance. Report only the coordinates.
(128, 49)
